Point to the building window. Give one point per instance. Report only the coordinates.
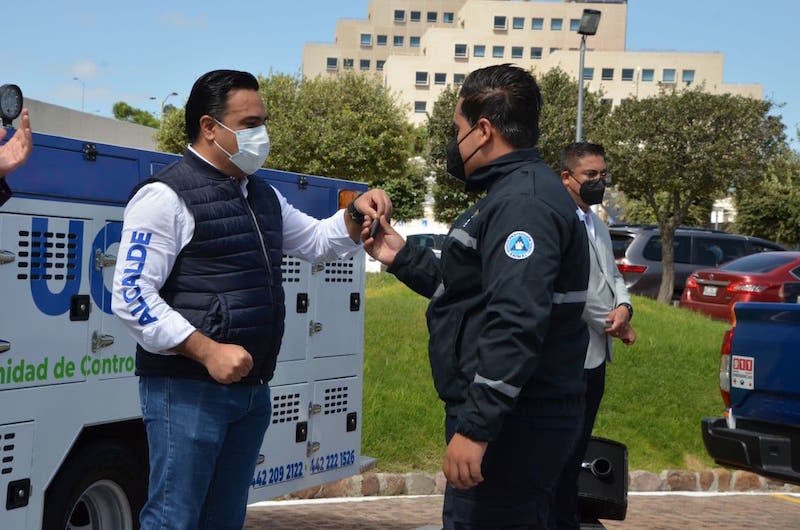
(497, 52)
(413, 42)
(518, 23)
(433, 16)
(381, 40)
(458, 79)
(668, 75)
(499, 22)
(588, 73)
(415, 16)
(537, 23)
(379, 65)
(648, 74)
(347, 64)
(556, 24)
(398, 41)
(363, 64)
(421, 79)
(447, 18)
(627, 74)
(606, 101)
(687, 76)
(554, 49)
(536, 52)
(460, 50)
(419, 107)
(516, 52)
(399, 15)
(332, 63)
(574, 24)
(607, 74)
(366, 39)
(440, 78)
(479, 50)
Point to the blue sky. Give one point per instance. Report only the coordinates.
(132, 51)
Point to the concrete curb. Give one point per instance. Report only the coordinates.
(423, 483)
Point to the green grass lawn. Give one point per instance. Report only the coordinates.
(656, 390)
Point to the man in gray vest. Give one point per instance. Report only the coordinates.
(607, 312)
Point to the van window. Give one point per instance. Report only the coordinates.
(681, 249)
(713, 251)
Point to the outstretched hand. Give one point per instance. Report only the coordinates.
(17, 150)
(386, 242)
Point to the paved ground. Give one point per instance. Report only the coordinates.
(645, 511)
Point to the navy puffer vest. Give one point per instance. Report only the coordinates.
(227, 281)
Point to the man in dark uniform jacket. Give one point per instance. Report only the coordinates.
(507, 342)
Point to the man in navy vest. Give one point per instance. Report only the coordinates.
(198, 285)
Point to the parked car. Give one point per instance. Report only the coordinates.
(764, 277)
(637, 249)
(432, 241)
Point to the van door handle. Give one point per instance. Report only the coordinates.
(4, 346)
(101, 341)
(6, 257)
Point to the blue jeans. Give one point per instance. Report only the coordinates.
(204, 440)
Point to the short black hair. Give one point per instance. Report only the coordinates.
(210, 96)
(577, 150)
(507, 96)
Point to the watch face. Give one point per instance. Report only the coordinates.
(10, 101)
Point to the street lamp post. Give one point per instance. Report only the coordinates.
(83, 89)
(589, 22)
(164, 102)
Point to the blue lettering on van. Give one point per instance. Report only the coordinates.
(46, 301)
(109, 235)
(134, 262)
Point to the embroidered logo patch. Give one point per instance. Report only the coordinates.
(519, 245)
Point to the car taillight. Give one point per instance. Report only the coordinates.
(626, 267)
(691, 283)
(725, 368)
(743, 287)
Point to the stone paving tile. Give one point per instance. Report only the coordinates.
(659, 512)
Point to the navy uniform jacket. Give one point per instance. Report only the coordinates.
(506, 333)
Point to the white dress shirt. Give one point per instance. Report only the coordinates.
(157, 210)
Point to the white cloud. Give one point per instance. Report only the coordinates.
(84, 69)
(182, 20)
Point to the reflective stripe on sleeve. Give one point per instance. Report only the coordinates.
(570, 297)
(500, 386)
(464, 238)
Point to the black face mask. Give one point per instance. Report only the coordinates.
(455, 164)
(592, 191)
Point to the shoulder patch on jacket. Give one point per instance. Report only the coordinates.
(519, 245)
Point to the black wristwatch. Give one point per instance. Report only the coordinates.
(629, 307)
(354, 214)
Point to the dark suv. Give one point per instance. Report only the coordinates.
(637, 250)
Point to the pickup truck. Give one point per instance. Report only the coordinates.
(759, 378)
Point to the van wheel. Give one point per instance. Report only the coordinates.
(102, 487)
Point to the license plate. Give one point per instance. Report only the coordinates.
(709, 290)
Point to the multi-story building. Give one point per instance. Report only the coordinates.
(418, 47)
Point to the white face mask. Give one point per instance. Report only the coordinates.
(253, 148)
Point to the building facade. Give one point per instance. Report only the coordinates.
(418, 47)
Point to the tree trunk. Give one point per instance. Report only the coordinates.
(667, 265)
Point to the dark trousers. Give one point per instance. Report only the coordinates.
(520, 471)
(565, 508)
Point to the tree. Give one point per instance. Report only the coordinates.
(558, 122)
(449, 196)
(346, 127)
(679, 149)
(771, 209)
(124, 112)
(171, 136)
